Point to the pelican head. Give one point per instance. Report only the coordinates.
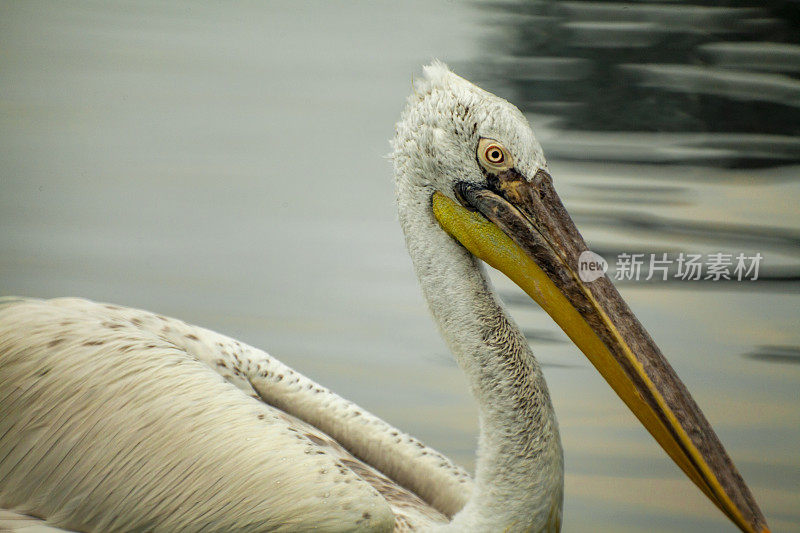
(445, 119)
(469, 169)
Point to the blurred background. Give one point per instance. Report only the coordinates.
(224, 164)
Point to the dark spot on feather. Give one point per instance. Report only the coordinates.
(316, 440)
(192, 336)
(93, 343)
(366, 516)
(136, 321)
(55, 342)
(43, 372)
(261, 416)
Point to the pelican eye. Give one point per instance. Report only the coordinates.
(493, 156)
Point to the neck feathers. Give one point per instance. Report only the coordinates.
(519, 473)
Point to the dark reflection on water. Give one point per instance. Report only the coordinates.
(776, 354)
(777, 238)
(635, 194)
(729, 72)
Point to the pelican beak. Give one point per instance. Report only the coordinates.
(521, 228)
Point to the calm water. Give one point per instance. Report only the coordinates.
(225, 165)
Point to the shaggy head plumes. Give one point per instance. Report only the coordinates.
(437, 136)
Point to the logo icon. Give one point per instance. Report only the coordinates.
(591, 266)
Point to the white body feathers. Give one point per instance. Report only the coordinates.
(116, 419)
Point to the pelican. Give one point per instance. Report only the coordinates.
(117, 419)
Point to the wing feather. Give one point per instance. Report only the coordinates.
(109, 425)
(12, 522)
(407, 461)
